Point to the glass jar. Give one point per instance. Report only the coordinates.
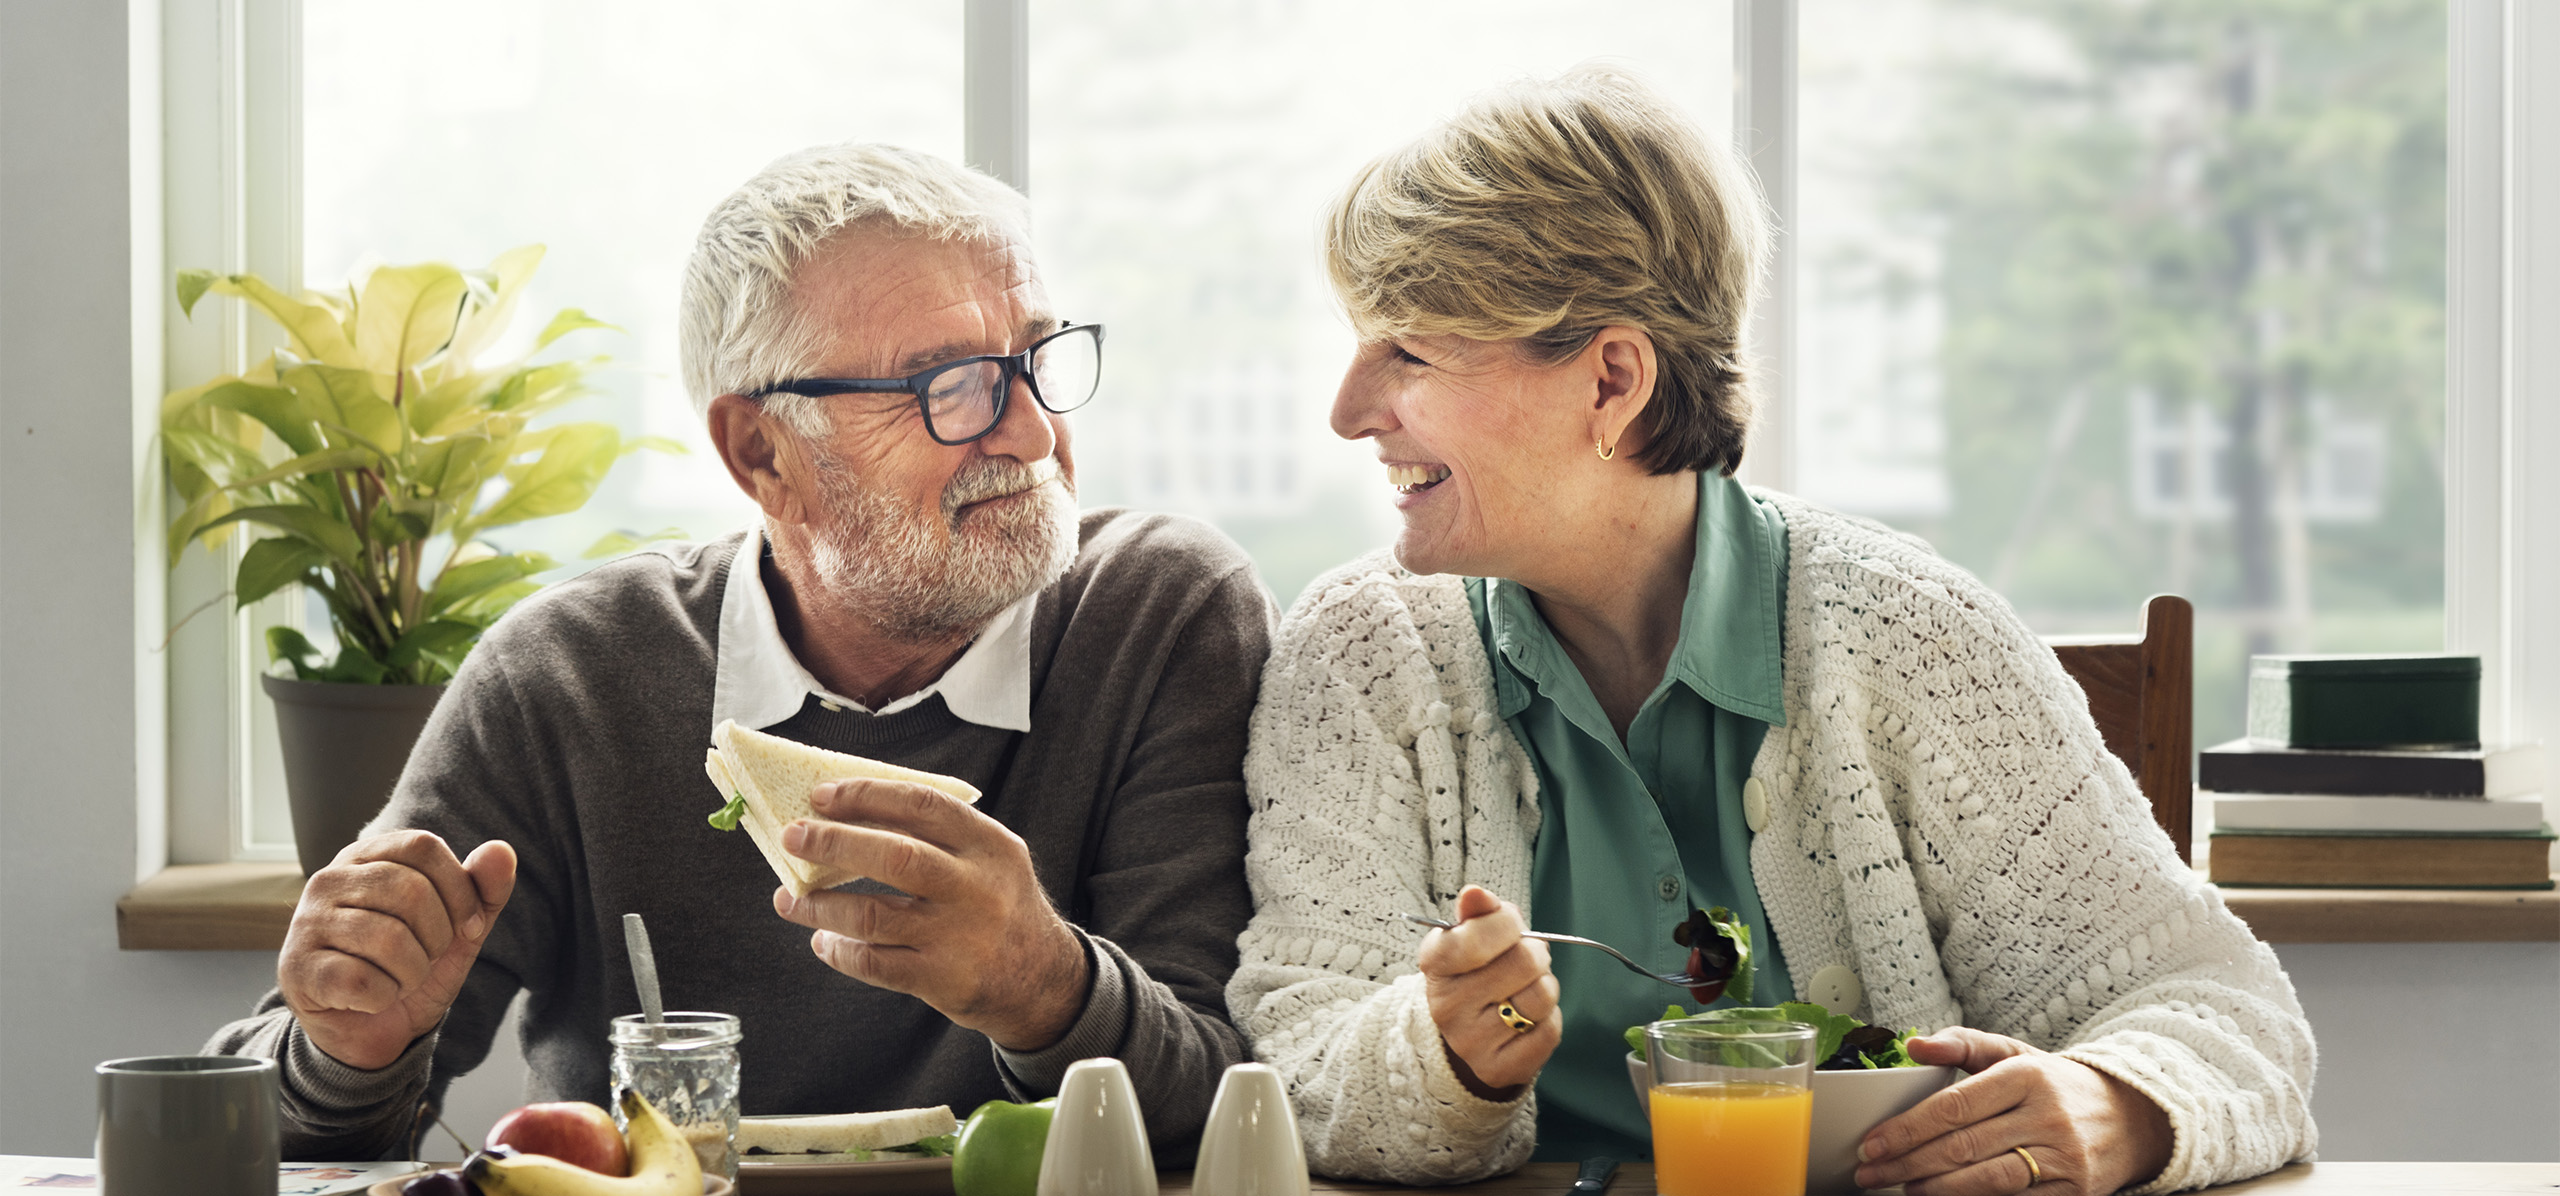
(687, 1066)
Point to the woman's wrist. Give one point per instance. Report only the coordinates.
(2150, 1138)
(1481, 1090)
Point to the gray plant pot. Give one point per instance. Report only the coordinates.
(344, 746)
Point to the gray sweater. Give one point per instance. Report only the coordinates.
(575, 732)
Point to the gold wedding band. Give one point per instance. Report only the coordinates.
(1520, 1025)
(2035, 1174)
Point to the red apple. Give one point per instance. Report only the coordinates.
(568, 1130)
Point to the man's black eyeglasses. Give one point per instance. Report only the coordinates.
(965, 399)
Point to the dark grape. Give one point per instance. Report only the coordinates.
(440, 1183)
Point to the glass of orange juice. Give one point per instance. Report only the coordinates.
(1732, 1107)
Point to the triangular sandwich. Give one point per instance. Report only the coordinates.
(767, 780)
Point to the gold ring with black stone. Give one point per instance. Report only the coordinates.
(1511, 1017)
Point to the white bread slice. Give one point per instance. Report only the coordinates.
(775, 776)
(840, 1132)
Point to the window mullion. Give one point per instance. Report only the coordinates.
(1764, 131)
(996, 89)
(2476, 484)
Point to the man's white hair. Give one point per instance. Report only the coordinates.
(738, 327)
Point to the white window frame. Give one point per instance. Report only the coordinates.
(230, 104)
(231, 168)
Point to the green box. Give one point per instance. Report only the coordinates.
(2415, 701)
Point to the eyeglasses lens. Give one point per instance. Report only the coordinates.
(1068, 368)
(961, 402)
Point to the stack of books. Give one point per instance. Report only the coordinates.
(2376, 819)
(2367, 772)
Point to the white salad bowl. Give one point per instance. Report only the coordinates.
(1846, 1104)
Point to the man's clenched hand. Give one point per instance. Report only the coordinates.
(973, 936)
(382, 939)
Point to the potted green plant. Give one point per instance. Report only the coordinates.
(374, 452)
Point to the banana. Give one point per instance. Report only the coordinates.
(662, 1164)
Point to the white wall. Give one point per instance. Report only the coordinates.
(73, 699)
(2428, 1051)
(2433, 1050)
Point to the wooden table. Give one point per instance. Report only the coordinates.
(2301, 1179)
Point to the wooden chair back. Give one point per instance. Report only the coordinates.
(2142, 694)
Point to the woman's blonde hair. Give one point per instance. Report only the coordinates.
(1550, 209)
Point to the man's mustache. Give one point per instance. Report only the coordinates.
(989, 477)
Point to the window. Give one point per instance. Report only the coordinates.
(1181, 159)
(2115, 299)
(2044, 255)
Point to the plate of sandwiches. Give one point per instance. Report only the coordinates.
(875, 1154)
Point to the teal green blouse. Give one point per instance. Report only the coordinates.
(1634, 833)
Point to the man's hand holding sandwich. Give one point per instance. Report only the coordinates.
(969, 932)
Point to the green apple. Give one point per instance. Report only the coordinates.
(999, 1150)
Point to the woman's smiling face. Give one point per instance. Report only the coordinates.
(1480, 444)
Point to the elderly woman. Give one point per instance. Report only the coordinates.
(1599, 682)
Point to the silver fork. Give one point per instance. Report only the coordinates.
(1674, 979)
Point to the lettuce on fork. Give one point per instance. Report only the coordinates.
(1841, 1042)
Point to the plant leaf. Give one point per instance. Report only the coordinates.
(216, 456)
(192, 285)
(617, 543)
(461, 583)
(493, 602)
(354, 666)
(437, 637)
(272, 564)
(287, 644)
(510, 271)
(280, 409)
(569, 320)
(344, 401)
(573, 462)
(307, 524)
(452, 470)
(429, 411)
(655, 444)
(314, 329)
(405, 314)
(400, 519)
(324, 461)
(192, 522)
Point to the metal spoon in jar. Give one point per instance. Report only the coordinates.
(644, 968)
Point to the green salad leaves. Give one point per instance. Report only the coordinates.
(1841, 1042)
(938, 1146)
(726, 817)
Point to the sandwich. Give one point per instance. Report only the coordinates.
(767, 780)
(919, 1132)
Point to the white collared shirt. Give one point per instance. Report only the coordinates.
(760, 683)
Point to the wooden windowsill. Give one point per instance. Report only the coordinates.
(245, 907)
(210, 907)
(2398, 915)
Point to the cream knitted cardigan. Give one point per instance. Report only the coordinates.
(1943, 822)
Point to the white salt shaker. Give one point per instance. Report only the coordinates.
(1097, 1140)
(1250, 1146)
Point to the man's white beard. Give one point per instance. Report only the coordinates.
(934, 575)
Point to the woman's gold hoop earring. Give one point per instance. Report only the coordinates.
(1605, 453)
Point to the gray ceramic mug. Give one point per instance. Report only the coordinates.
(187, 1125)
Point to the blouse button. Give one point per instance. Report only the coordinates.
(1836, 988)
(1670, 887)
(1755, 805)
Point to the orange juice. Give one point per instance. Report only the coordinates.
(1730, 1139)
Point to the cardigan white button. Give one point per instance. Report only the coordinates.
(1837, 989)
(1755, 804)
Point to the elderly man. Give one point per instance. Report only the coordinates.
(882, 372)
